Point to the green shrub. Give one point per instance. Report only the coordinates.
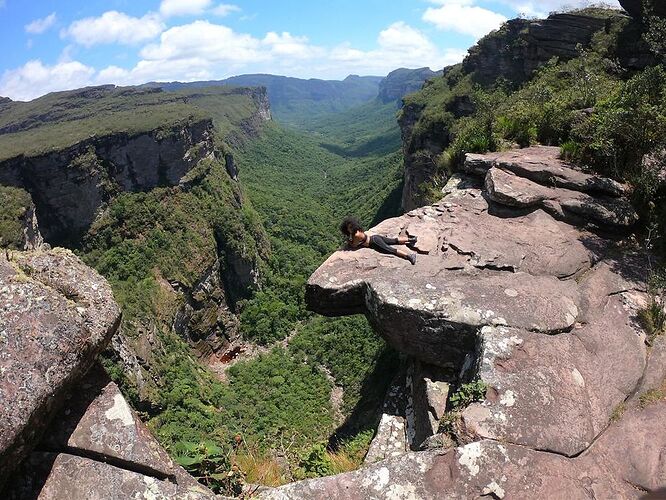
(468, 394)
(208, 462)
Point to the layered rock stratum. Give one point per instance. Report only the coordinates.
(524, 281)
(67, 432)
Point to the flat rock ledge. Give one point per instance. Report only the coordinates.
(518, 286)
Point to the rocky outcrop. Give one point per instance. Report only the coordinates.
(518, 288)
(536, 178)
(56, 316)
(403, 81)
(626, 462)
(66, 432)
(523, 45)
(98, 448)
(70, 186)
(19, 228)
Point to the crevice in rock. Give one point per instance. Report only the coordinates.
(119, 463)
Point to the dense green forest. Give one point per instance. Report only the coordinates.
(295, 191)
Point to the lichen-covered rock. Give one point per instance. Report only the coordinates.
(542, 311)
(626, 462)
(98, 434)
(64, 476)
(56, 315)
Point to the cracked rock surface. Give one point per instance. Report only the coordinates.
(523, 281)
(626, 462)
(67, 432)
(56, 315)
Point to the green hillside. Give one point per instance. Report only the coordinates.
(605, 117)
(62, 119)
(295, 101)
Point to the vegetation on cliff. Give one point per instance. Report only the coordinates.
(606, 118)
(15, 203)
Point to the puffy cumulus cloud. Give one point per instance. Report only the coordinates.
(169, 8)
(114, 27)
(399, 45)
(39, 26)
(224, 9)
(542, 8)
(202, 50)
(34, 79)
(462, 16)
(205, 40)
(286, 45)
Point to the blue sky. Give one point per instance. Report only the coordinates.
(54, 45)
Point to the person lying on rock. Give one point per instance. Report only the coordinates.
(357, 238)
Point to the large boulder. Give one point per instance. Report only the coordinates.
(56, 315)
(97, 447)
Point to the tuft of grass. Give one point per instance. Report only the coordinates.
(618, 411)
(652, 396)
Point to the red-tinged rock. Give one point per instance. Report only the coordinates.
(69, 477)
(56, 315)
(626, 462)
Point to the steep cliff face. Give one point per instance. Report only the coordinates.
(18, 221)
(143, 184)
(403, 81)
(518, 286)
(71, 186)
(521, 46)
(498, 67)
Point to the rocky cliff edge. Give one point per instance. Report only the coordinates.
(67, 432)
(523, 281)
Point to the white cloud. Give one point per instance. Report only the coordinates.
(114, 27)
(202, 39)
(400, 45)
(34, 79)
(202, 50)
(224, 9)
(39, 26)
(170, 8)
(287, 45)
(463, 17)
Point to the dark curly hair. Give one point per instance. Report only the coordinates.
(353, 222)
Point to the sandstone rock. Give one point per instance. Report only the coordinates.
(542, 164)
(521, 46)
(72, 316)
(97, 422)
(626, 462)
(512, 190)
(558, 393)
(98, 432)
(541, 310)
(67, 477)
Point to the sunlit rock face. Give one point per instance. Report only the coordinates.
(524, 281)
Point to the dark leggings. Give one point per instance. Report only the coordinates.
(381, 244)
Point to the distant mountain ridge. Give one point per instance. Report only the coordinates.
(299, 102)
